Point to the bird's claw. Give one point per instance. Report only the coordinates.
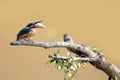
(29, 40)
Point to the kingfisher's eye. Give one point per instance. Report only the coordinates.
(29, 25)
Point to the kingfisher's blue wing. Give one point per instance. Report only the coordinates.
(24, 31)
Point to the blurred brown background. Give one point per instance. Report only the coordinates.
(90, 22)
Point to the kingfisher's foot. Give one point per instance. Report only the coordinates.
(29, 40)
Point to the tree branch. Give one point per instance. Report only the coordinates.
(98, 60)
(81, 59)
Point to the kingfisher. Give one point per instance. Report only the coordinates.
(29, 31)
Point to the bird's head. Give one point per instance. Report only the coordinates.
(36, 25)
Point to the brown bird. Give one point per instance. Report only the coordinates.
(29, 30)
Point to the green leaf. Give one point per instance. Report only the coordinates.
(64, 61)
(58, 51)
(51, 61)
(94, 49)
(70, 74)
(75, 65)
(76, 58)
(69, 78)
(73, 68)
(66, 71)
(84, 64)
(115, 78)
(78, 65)
(70, 60)
(59, 67)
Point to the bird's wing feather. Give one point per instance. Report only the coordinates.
(24, 31)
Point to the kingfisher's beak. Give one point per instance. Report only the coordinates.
(38, 24)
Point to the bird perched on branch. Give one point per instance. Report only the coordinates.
(29, 30)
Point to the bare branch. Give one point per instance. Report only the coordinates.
(40, 44)
(81, 59)
(71, 46)
(98, 60)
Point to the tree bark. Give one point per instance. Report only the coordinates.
(98, 60)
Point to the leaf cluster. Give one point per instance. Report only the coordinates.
(69, 66)
(114, 78)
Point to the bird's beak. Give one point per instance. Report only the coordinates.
(38, 22)
(39, 25)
